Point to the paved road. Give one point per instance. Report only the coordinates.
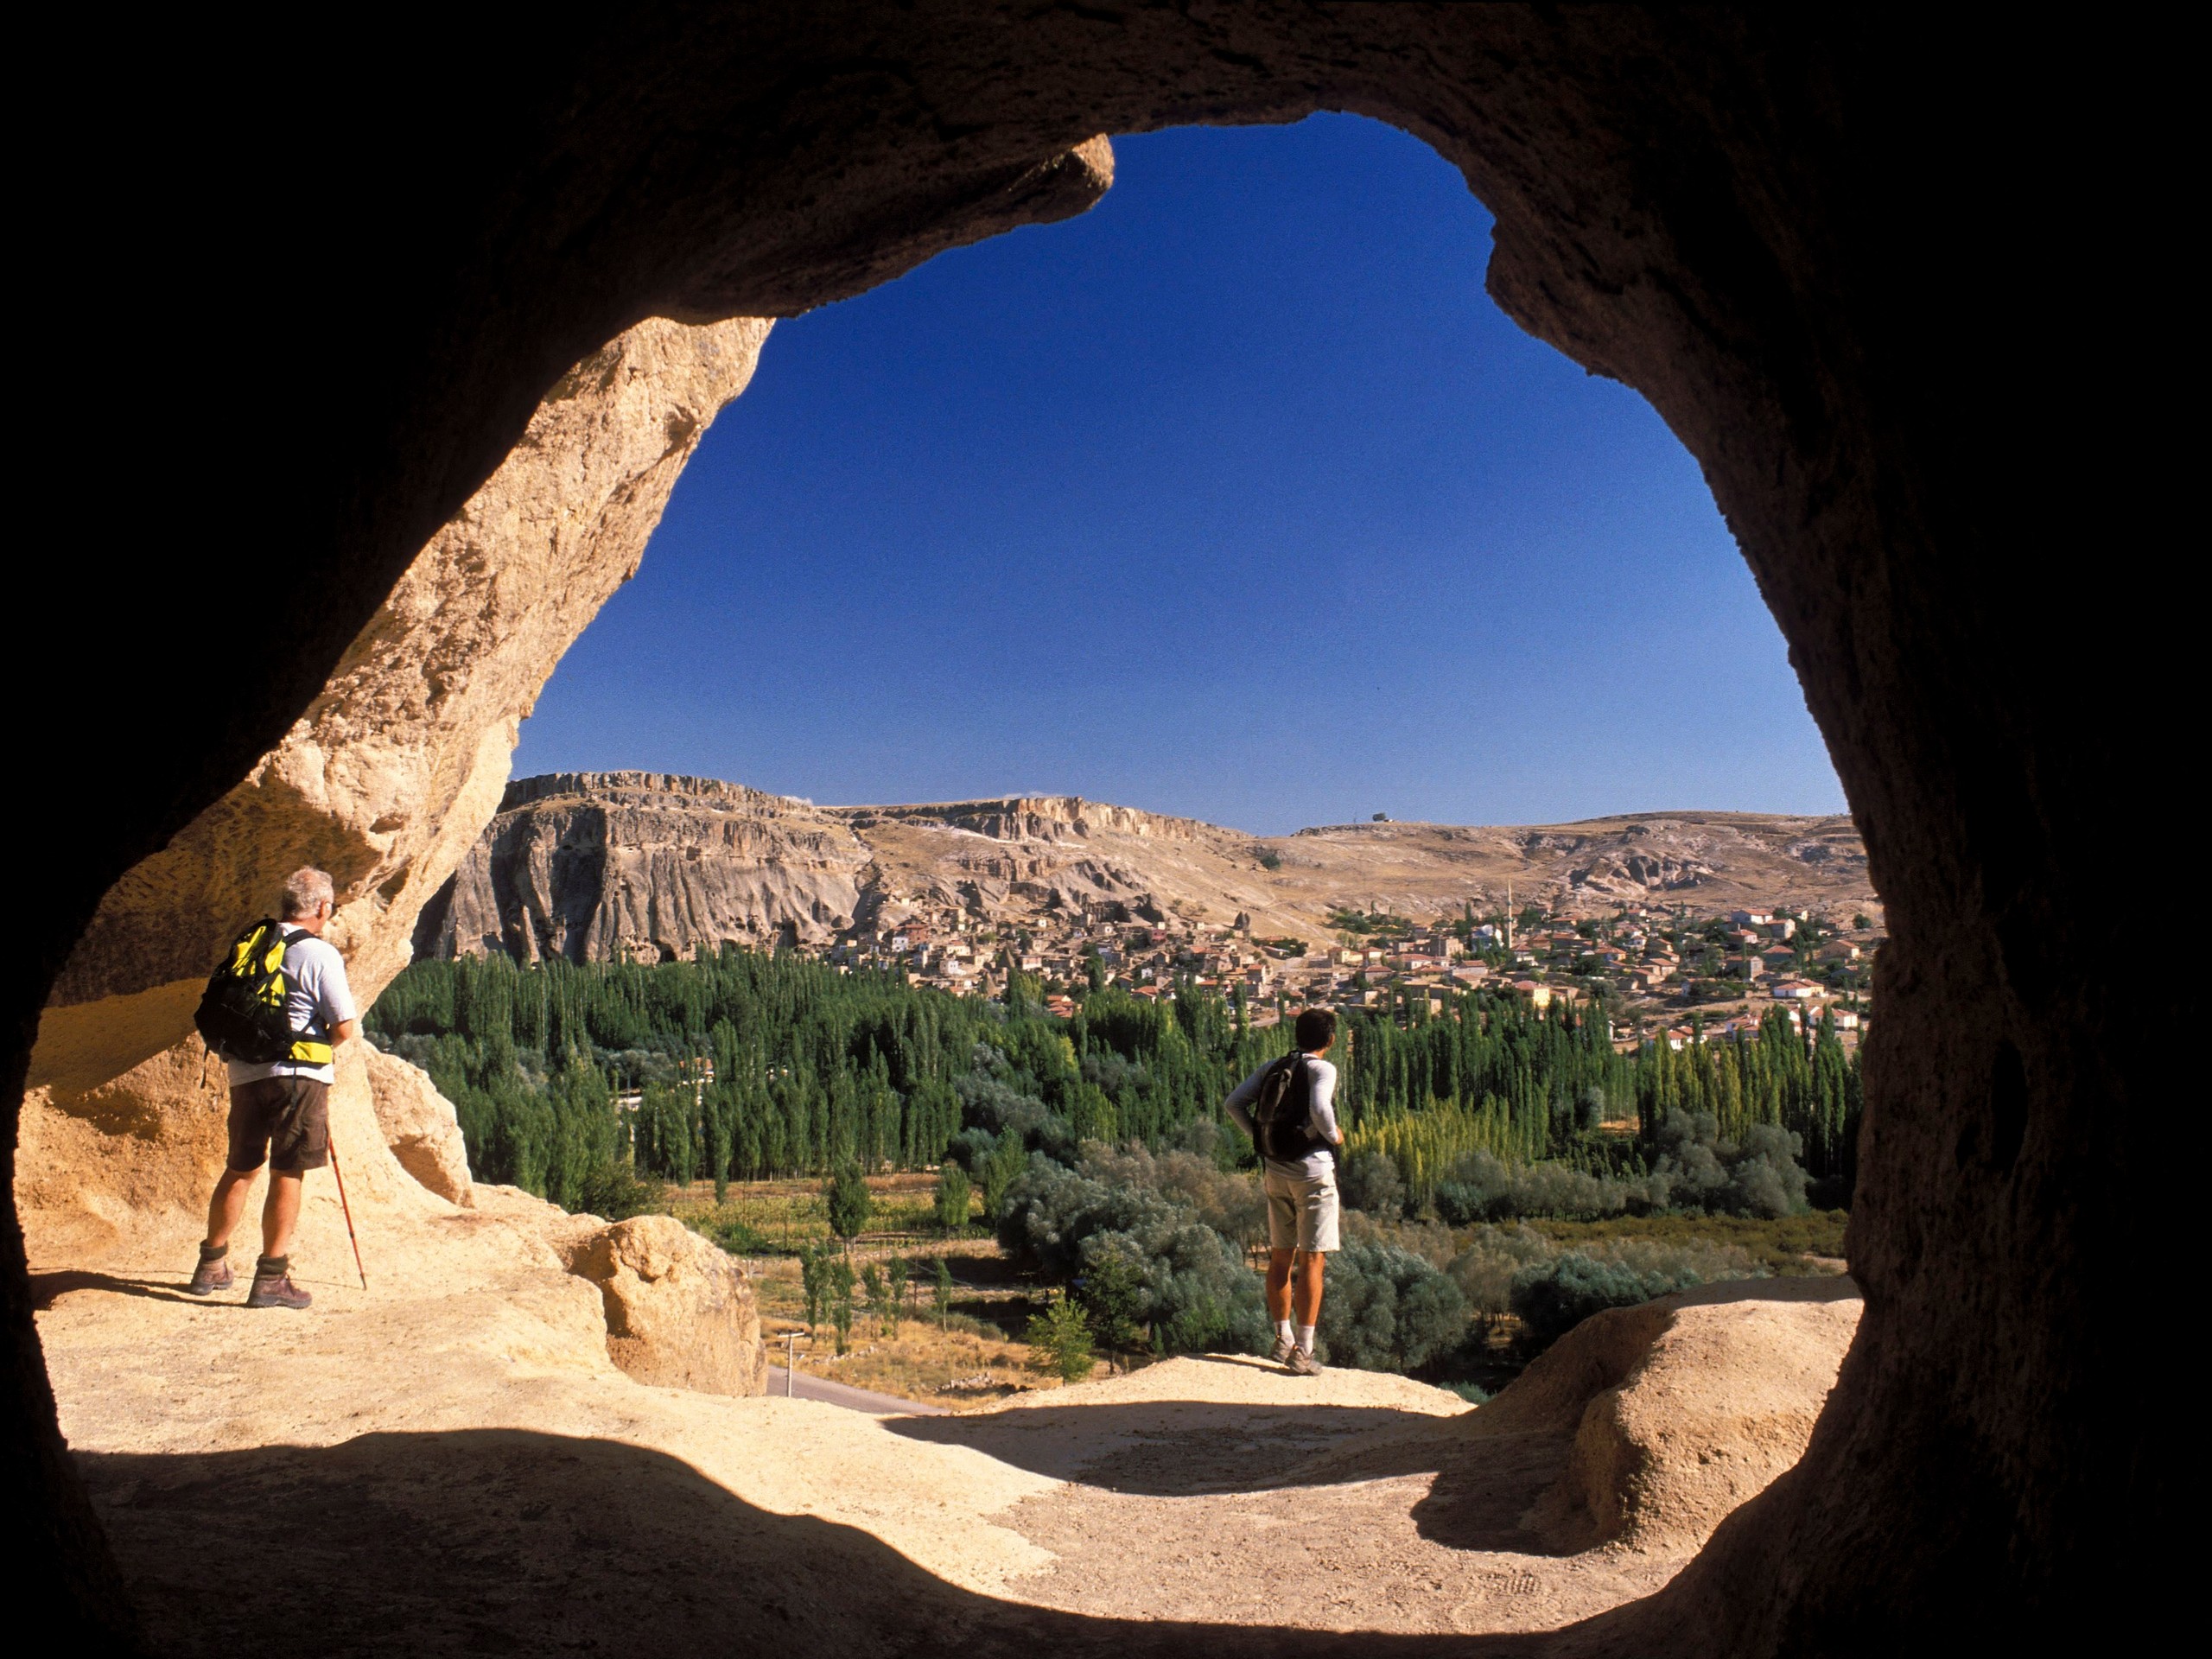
(837, 1394)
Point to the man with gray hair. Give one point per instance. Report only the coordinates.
(280, 1110)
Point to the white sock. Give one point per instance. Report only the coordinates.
(1306, 1338)
(1282, 1329)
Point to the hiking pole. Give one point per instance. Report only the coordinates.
(348, 1209)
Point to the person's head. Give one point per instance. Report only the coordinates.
(308, 899)
(1316, 1029)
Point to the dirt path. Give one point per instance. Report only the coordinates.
(782, 1385)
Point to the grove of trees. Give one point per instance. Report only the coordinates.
(743, 1065)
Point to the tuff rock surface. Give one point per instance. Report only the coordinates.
(680, 1313)
(420, 1125)
(1677, 1412)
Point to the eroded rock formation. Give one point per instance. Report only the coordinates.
(420, 1125)
(1678, 1412)
(385, 781)
(634, 866)
(599, 866)
(679, 1311)
(392, 773)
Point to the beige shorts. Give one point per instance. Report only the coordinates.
(1301, 1212)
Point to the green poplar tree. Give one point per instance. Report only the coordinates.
(900, 1271)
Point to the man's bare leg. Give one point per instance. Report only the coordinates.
(228, 1204)
(279, 1213)
(1279, 1305)
(1279, 1285)
(1310, 1265)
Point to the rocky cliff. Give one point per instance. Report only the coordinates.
(613, 865)
(647, 867)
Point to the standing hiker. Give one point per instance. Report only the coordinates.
(1287, 1107)
(280, 1001)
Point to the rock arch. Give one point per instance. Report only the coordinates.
(1778, 231)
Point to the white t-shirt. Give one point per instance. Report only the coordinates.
(1318, 1162)
(320, 999)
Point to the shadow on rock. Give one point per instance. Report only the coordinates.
(1183, 1448)
(498, 1540)
(1485, 1484)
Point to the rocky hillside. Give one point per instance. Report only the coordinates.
(598, 865)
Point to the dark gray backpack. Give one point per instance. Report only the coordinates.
(1283, 1118)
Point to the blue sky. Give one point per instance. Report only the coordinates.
(1236, 497)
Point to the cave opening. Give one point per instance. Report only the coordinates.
(1740, 220)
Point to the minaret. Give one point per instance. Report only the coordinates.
(1508, 918)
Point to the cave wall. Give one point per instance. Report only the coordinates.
(1797, 236)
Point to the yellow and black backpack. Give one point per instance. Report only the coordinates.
(243, 1014)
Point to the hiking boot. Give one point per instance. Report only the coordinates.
(1284, 1349)
(1302, 1363)
(273, 1285)
(214, 1273)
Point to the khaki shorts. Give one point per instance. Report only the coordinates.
(1301, 1210)
(283, 1120)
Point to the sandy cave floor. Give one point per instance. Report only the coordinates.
(448, 1463)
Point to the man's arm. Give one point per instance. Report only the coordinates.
(335, 992)
(1325, 1105)
(1240, 1100)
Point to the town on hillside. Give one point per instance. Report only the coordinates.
(1653, 971)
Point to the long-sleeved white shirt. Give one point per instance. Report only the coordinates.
(1318, 1162)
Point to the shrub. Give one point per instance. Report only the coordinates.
(1503, 1268)
(1483, 1188)
(1196, 1291)
(1759, 1175)
(1370, 1181)
(1484, 1271)
(1230, 1202)
(1551, 1298)
(1000, 1109)
(1431, 1240)
(1113, 1291)
(1387, 1310)
(1062, 1340)
(617, 1192)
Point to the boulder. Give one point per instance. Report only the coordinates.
(1678, 1411)
(680, 1313)
(420, 1125)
